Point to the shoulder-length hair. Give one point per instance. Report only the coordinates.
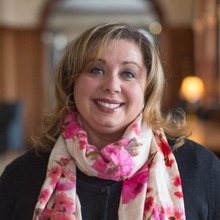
(75, 60)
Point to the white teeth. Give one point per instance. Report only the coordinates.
(108, 105)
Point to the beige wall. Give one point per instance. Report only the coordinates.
(23, 72)
(21, 13)
(22, 61)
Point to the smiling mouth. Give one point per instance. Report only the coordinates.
(111, 105)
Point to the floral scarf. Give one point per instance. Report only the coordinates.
(142, 160)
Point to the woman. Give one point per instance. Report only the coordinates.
(104, 152)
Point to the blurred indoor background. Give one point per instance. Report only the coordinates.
(34, 33)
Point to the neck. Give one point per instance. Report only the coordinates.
(100, 140)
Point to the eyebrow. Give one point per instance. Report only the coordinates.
(124, 63)
(98, 60)
(102, 60)
(132, 62)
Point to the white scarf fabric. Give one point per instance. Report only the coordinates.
(142, 160)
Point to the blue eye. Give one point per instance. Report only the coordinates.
(97, 71)
(128, 74)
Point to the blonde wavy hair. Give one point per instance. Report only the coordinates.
(75, 60)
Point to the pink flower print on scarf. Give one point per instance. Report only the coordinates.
(73, 128)
(44, 196)
(159, 213)
(175, 214)
(46, 214)
(64, 208)
(114, 162)
(56, 171)
(54, 174)
(135, 128)
(83, 143)
(67, 180)
(177, 183)
(70, 125)
(178, 194)
(166, 150)
(148, 204)
(134, 185)
(63, 203)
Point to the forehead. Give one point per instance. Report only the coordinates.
(119, 46)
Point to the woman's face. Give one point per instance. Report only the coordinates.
(109, 94)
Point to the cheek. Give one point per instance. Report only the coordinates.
(78, 92)
(136, 95)
(80, 97)
(84, 87)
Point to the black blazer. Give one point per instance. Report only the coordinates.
(199, 168)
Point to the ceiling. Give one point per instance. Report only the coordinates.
(80, 14)
(104, 6)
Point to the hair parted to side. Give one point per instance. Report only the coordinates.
(75, 60)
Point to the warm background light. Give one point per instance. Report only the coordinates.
(192, 89)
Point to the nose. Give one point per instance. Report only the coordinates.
(112, 84)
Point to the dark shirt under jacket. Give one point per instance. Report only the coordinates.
(21, 182)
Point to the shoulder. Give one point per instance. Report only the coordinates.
(200, 175)
(29, 167)
(20, 184)
(193, 157)
(192, 152)
(28, 162)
